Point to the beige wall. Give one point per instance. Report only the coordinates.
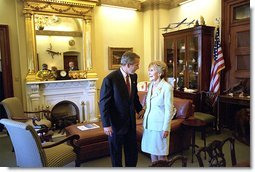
(153, 44)
(112, 27)
(8, 16)
(209, 9)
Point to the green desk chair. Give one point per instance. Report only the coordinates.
(207, 109)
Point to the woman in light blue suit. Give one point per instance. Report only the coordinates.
(158, 114)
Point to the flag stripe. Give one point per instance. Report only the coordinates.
(218, 64)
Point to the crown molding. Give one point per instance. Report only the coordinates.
(143, 5)
(77, 3)
(160, 4)
(63, 7)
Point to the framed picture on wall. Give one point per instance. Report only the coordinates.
(114, 56)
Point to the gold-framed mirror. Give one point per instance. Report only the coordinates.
(57, 30)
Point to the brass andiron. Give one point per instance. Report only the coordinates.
(83, 112)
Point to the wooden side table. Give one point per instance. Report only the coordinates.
(195, 125)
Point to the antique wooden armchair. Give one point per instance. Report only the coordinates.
(31, 153)
(38, 119)
(207, 109)
(170, 162)
(216, 156)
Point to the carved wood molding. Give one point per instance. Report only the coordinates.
(66, 7)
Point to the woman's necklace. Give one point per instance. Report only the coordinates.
(155, 85)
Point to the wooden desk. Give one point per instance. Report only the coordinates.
(229, 104)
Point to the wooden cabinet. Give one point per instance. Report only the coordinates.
(188, 54)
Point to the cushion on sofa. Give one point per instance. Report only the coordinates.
(142, 97)
(176, 124)
(139, 121)
(183, 106)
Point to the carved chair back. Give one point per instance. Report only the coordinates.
(216, 156)
(170, 162)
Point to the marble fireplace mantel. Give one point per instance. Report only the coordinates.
(82, 92)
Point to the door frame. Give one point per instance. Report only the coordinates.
(6, 61)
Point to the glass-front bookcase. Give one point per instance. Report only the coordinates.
(188, 54)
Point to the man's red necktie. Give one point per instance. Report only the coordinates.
(128, 84)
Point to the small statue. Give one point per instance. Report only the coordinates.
(196, 23)
(202, 20)
(54, 71)
(44, 74)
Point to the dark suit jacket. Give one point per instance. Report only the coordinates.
(117, 108)
(74, 68)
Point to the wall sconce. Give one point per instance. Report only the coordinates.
(184, 2)
(41, 21)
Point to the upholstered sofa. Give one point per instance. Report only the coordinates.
(94, 144)
(180, 137)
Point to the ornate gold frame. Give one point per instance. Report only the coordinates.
(68, 8)
(113, 53)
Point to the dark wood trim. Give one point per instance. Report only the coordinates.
(205, 35)
(228, 76)
(6, 61)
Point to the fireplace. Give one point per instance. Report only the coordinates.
(81, 93)
(63, 114)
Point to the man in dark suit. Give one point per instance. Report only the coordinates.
(71, 66)
(118, 104)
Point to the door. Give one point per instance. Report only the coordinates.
(236, 42)
(240, 54)
(6, 86)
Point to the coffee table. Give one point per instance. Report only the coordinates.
(92, 144)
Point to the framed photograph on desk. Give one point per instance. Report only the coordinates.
(114, 56)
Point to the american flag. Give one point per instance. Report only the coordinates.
(217, 66)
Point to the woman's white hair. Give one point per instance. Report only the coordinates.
(160, 67)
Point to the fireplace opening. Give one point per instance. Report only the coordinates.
(63, 114)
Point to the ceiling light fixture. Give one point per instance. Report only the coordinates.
(114, 6)
(127, 4)
(184, 2)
